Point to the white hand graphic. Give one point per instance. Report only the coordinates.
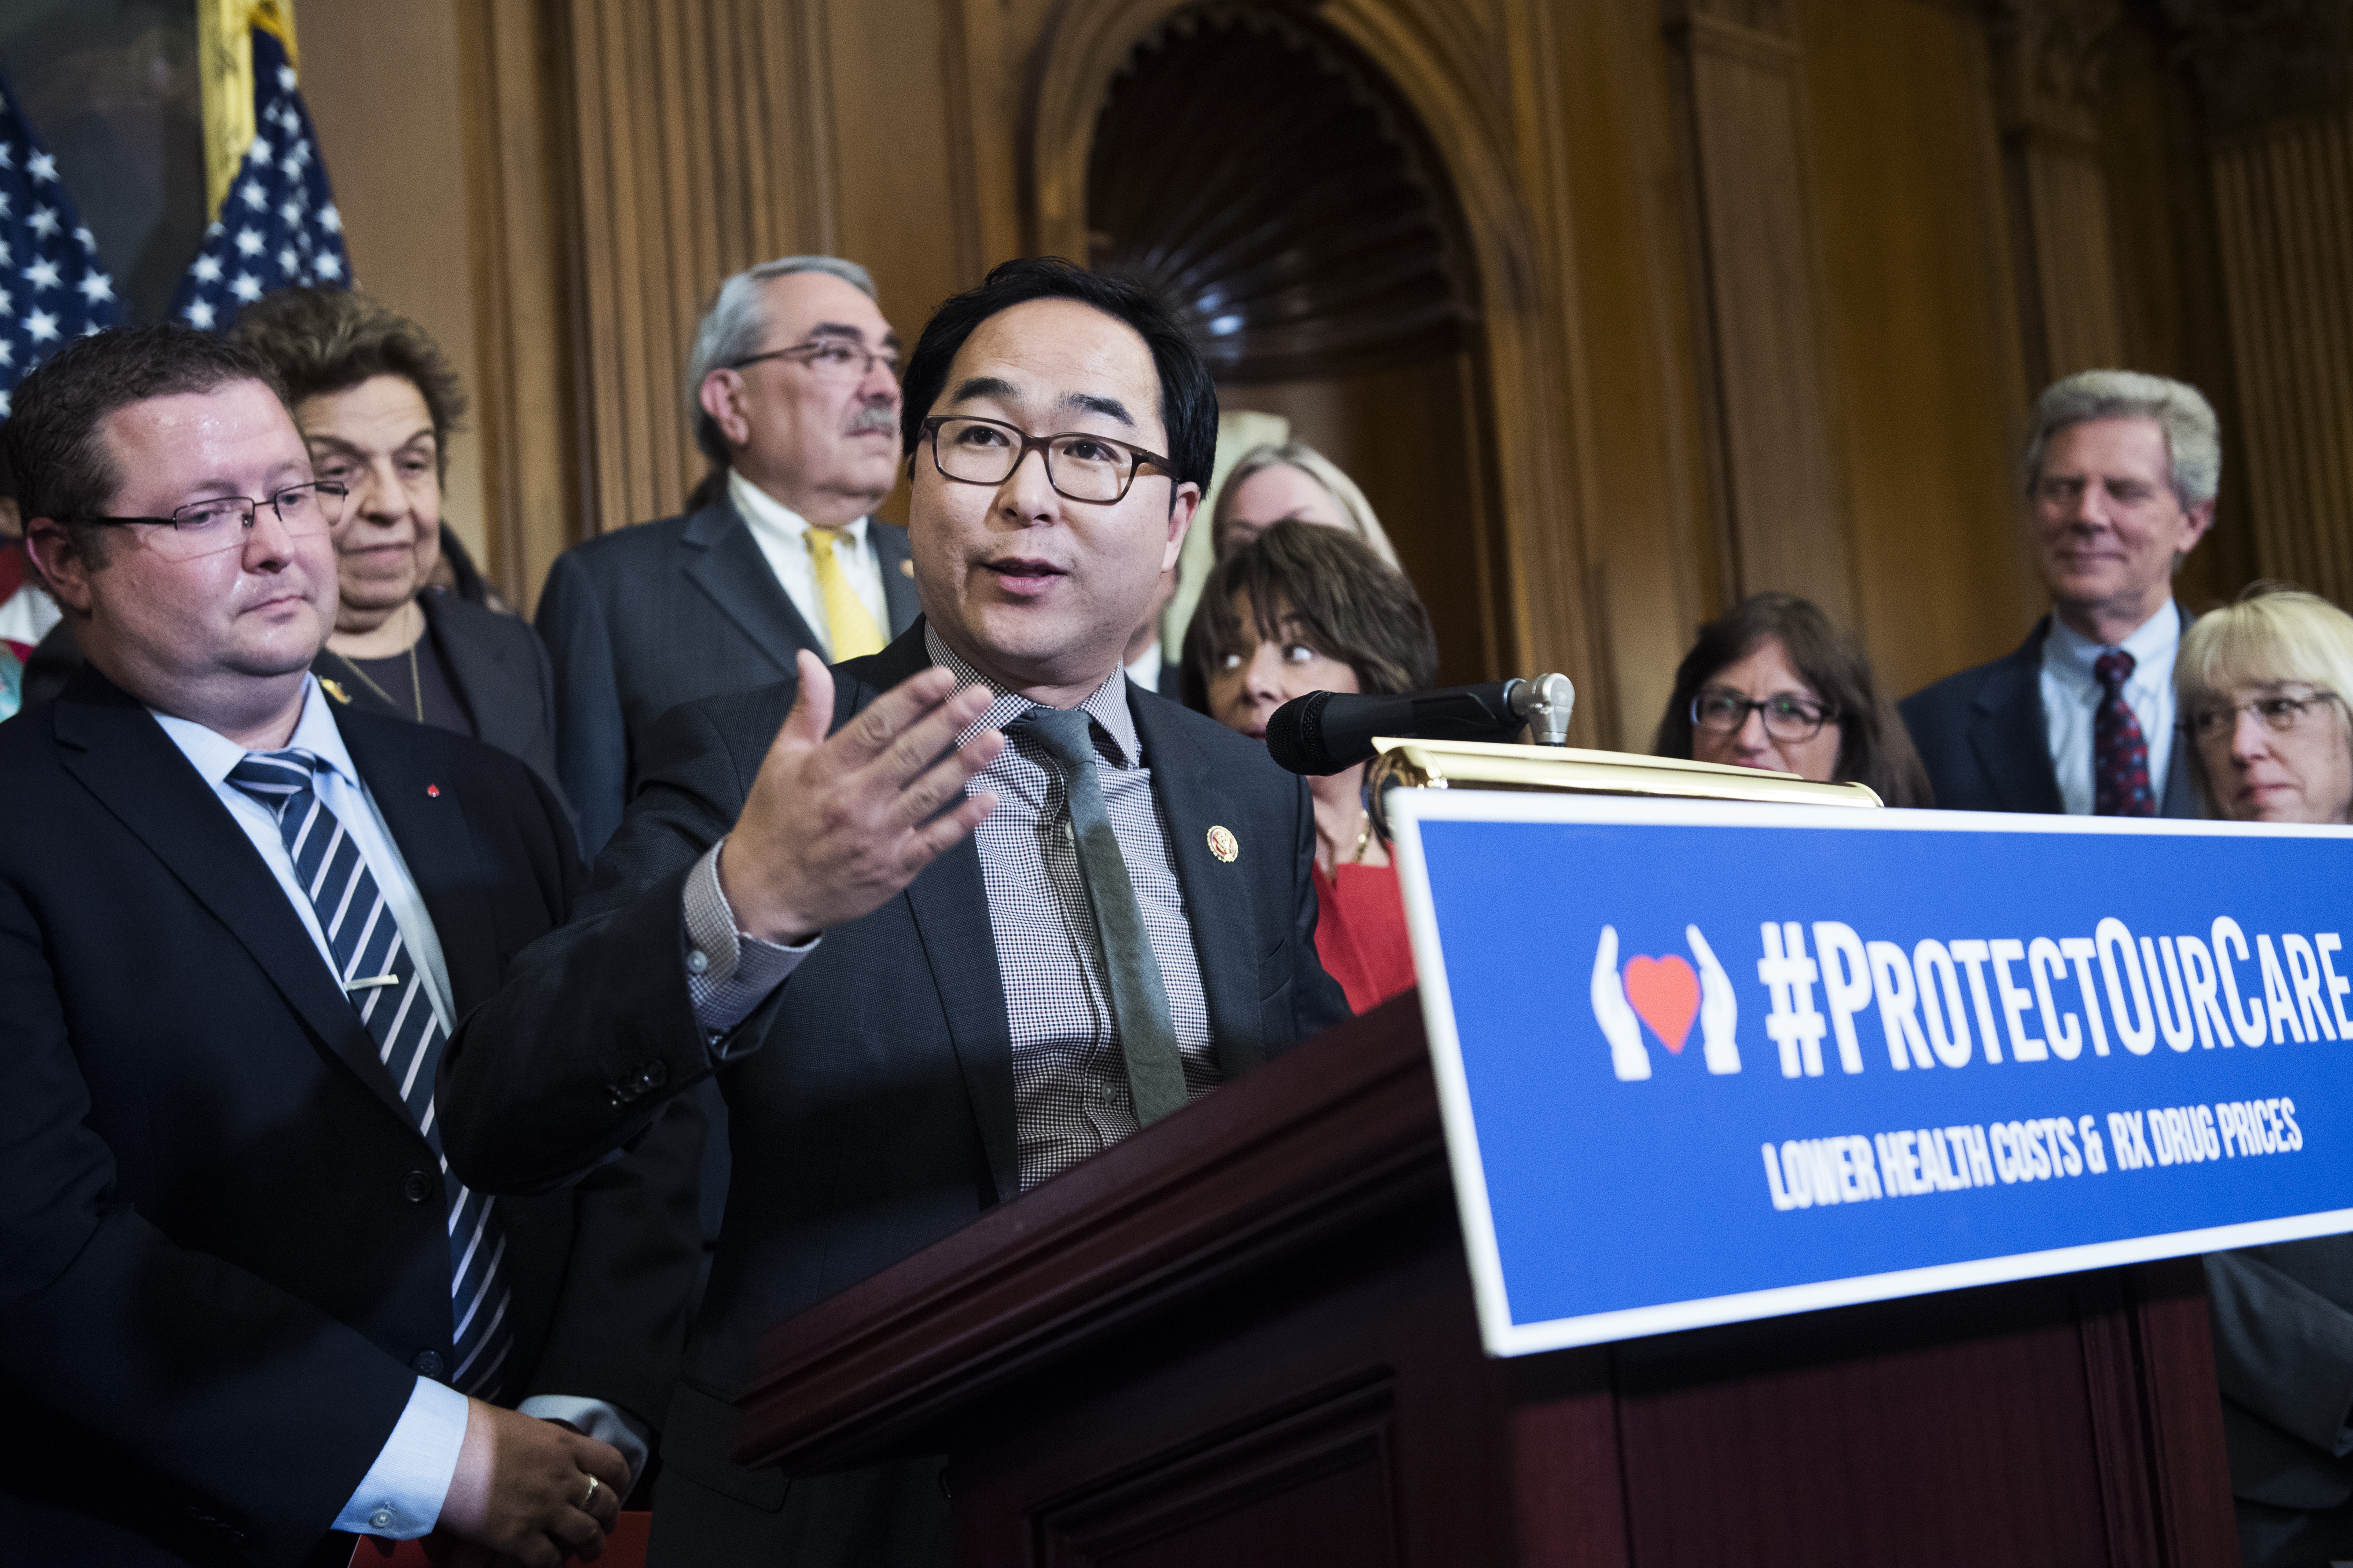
(1619, 1024)
(1719, 1009)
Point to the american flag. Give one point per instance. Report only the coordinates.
(278, 226)
(52, 288)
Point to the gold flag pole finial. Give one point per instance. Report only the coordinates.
(225, 59)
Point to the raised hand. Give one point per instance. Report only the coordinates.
(521, 1492)
(1719, 1009)
(835, 825)
(1619, 1026)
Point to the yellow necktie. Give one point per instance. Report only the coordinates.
(849, 625)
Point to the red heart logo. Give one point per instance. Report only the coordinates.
(1665, 992)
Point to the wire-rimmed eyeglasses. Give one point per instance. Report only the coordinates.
(1723, 711)
(1080, 466)
(203, 527)
(834, 359)
(2281, 713)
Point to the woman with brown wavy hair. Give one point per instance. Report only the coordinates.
(1301, 608)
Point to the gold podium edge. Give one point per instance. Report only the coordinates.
(1443, 765)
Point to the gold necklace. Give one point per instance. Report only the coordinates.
(1364, 840)
(417, 688)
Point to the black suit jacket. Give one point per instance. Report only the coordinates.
(878, 1115)
(222, 1237)
(1988, 747)
(2283, 1319)
(643, 620)
(500, 671)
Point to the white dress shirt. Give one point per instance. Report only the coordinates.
(782, 535)
(2072, 698)
(1145, 670)
(400, 1496)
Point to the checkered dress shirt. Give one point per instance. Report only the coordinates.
(1069, 1080)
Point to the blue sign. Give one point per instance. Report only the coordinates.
(1703, 1062)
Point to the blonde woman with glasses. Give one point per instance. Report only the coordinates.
(2259, 686)
(2262, 689)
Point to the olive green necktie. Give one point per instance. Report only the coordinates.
(1139, 1000)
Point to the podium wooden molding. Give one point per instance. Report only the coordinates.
(1245, 1335)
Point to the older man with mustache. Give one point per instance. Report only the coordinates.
(793, 388)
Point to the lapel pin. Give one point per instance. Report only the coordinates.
(334, 688)
(433, 790)
(906, 568)
(1222, 843)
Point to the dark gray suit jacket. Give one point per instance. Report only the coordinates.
(643, 620)
(880, 1115)
(2282, 1321)
(1987, 748)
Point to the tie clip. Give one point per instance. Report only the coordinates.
(372, 979)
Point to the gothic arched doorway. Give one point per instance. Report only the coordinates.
(1264, 174)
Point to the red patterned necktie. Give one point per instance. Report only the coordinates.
(2119, 751)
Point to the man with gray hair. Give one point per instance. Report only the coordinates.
(793, 388)
(2120, 476)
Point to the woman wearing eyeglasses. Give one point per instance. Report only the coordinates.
(1775, 685)
(2260, 686)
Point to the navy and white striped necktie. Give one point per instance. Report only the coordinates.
(383, 981)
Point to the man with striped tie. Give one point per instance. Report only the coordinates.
(248, 1310)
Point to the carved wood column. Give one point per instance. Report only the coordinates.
(1780, 506)
(2047, 57)
(2273, 85)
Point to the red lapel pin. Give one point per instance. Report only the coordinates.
(434, 790)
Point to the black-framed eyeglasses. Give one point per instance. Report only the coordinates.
(1079, 466)
(835, 359)
(203, 527)
(1723, 711)
(2280, 714)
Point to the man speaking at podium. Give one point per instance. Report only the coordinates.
(1009, 909)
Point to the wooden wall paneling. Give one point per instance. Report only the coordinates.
(995, 94)
(608, 193)
(899, 188)
(1465, 75)
(1489, 94)
(2287, 256)
(2172, 303)
(1779, 487)
(2048, 58)
(707, 142)
(1923, 331)
(518, 198)
(1649, 543)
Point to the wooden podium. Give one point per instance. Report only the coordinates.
(1246, 1337)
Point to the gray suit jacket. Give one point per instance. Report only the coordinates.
(879, 1115)
(640, 621)
(1983, 737)
(2282, 1321)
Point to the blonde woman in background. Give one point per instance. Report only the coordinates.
(1293, 481)
(2261, 687)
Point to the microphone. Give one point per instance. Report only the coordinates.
(1328, 732)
